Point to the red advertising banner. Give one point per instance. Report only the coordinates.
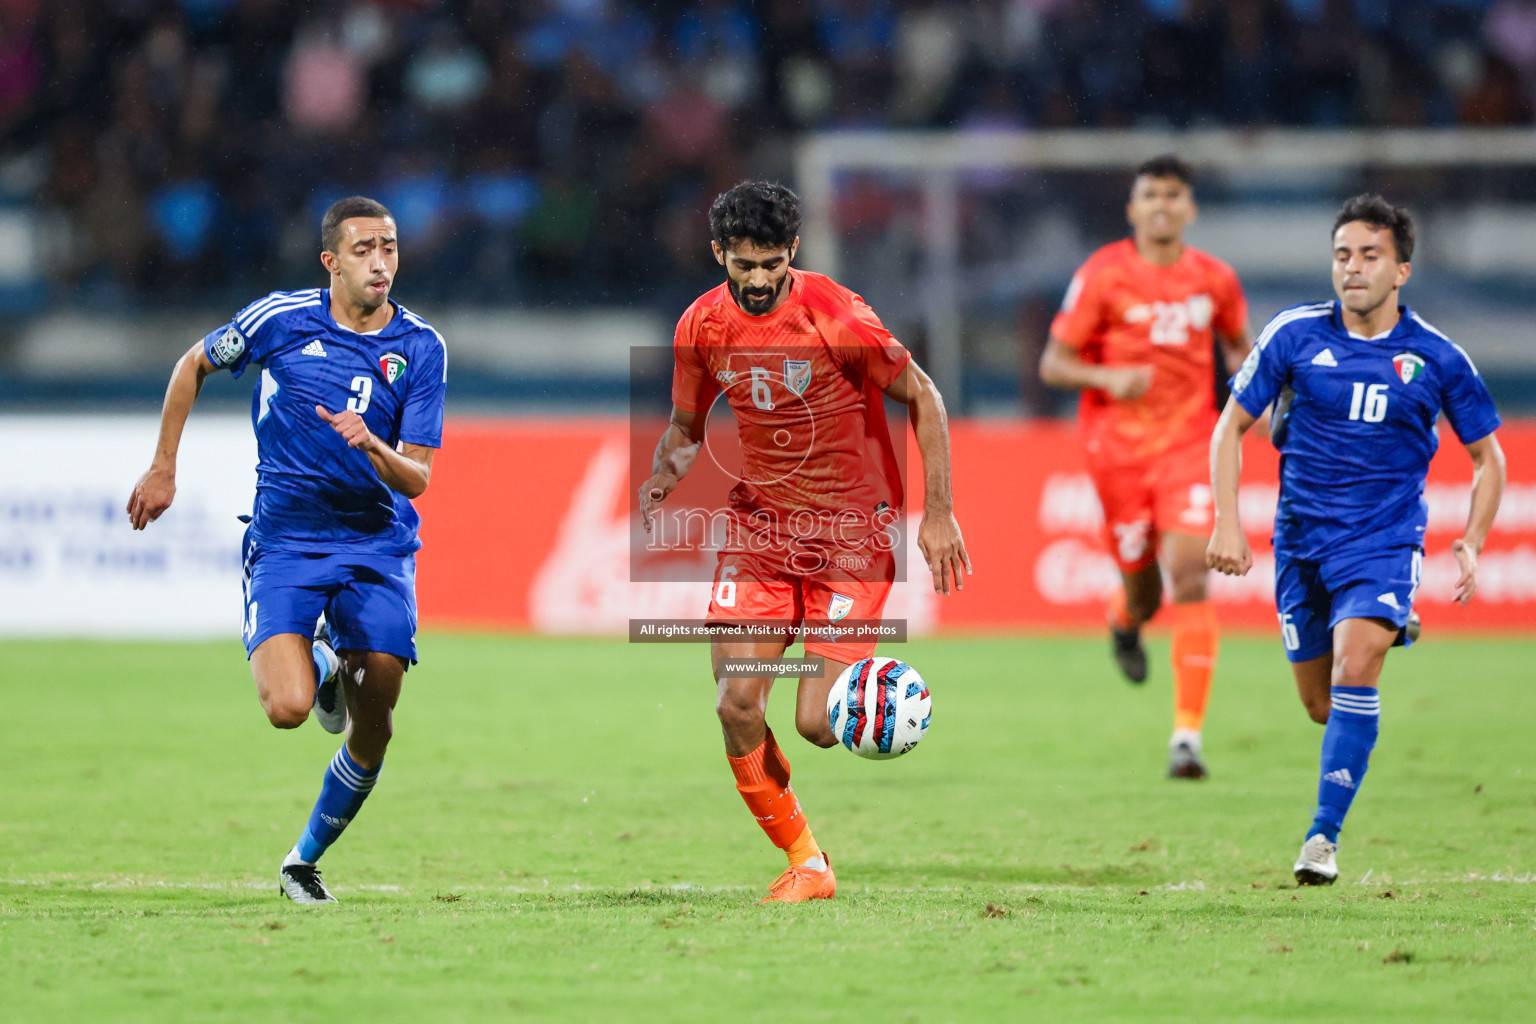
(531, 524)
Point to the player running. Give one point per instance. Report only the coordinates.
(1137, 334)
(803, 363)
(1370, 379)
(348, 414)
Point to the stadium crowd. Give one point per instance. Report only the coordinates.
(565, 150)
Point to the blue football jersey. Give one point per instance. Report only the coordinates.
(1362, 426)
(313, 492)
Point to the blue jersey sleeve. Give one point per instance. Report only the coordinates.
(421, 421)
(1258, 381)
(249, 336)
(228, 348)
(1466, 400)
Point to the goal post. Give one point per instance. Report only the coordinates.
(1271, 176)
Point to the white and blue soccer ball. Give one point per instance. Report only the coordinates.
(879, 708)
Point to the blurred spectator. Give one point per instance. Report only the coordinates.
(446, 74)
(857, 32)
(1486, 87)
(932, 42)
(532, 148)
(21, 65)
(1510, 30)
(323, 83)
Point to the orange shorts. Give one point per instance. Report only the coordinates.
(1143, 501)
(748, 589)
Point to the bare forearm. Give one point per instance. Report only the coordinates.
(1226, 468)
(930, 425)
(407, 476)
(1061, 369)
(180, 395)
(1488, 478)
(1234, 351)
(674, 456)
(675, 452)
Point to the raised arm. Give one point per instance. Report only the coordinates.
(1488, 477)
(407, 469)
(156, 489)
(939, 536)
(1228, 551)
(675, 452)
(1062, 367)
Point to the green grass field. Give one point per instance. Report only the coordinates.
(556, 837)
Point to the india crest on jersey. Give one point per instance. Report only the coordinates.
(797, 375)
(839, 606)
(1407, 366)
(392, 365)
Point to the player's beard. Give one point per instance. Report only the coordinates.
(757, 302)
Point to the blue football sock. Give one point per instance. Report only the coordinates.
(1347, 743)
(347, 784)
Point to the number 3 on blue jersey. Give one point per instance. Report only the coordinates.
(362, 393)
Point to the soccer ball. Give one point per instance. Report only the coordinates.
(879, 708)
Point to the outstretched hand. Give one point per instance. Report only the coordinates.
(350, 426)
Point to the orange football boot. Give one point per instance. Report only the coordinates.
(798, 884)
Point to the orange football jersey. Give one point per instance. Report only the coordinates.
(804, 383)
(1121, 310)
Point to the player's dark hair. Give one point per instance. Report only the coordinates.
(759, 211)
(1168, 165)
(346, 209)
(1371, 209)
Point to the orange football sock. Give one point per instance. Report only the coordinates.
(762, 779)
(1118, 614)
(1195, 641)
(803, 849)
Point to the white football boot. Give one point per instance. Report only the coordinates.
(301, 883)
(1318, 863)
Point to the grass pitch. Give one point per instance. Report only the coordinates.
(556, 837)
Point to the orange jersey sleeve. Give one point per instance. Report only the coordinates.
(882, 357)
(693, 388)
(858, 339)
(1081, 317)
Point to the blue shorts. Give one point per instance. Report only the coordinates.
(369, 600)
(1314, 596)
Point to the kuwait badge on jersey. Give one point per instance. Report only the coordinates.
(392, 365)
(1407, 366)
(797, 375)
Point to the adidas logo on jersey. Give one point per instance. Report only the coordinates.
(314, 348)
(1340, 777)
(1325, 358)
(1390, 600)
